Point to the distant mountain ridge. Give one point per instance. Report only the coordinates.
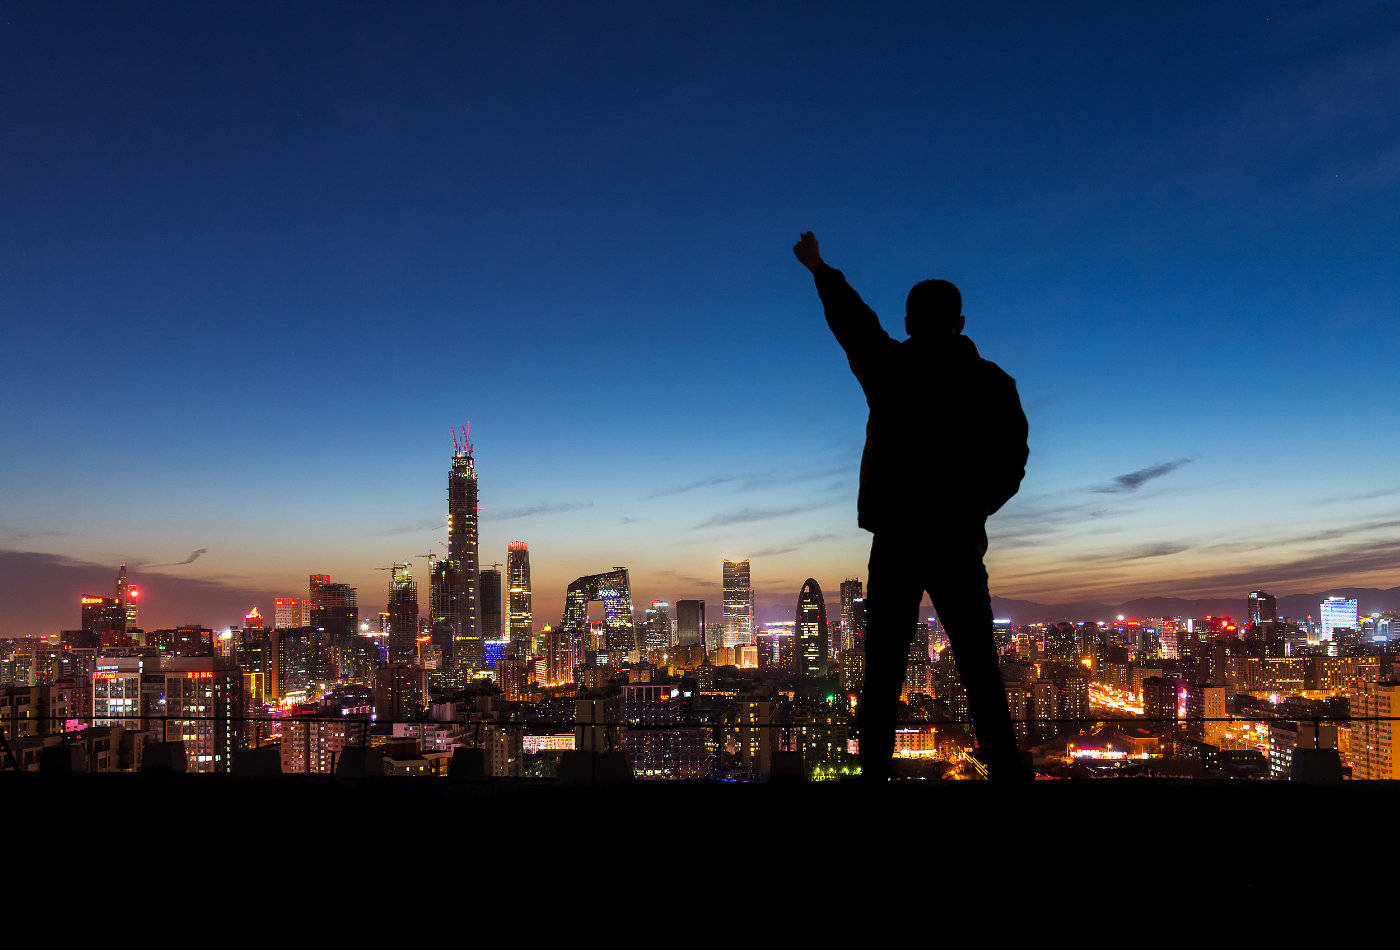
(1368, 600)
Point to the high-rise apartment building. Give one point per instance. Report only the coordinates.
(813, 636)
(1375, 731)
(520, 619)
(137, 692)
(738, 604)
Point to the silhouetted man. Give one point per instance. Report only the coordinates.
(945, 447)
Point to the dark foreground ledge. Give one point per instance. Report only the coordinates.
(1047, 839)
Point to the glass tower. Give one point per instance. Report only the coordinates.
(813, 638)
(1336, 613)
(464, 606)
(520, 619)
(738, 604)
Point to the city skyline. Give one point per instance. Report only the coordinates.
(733, 580)
(1170, 226)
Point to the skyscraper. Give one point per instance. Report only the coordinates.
(657, 626)
(333, 617)
(440, 594)
(126, 598)
(852, 627)
(738, 604)
(491, 604)
(690, 622)
(291, 612)
(1262, 607)
(403, 616)
(465, 603)
(520, 620)
(1336, 613)
(615, 591)
(813, 638)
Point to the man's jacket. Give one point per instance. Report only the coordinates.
(945, 445)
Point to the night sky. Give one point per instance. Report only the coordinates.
(258, 259)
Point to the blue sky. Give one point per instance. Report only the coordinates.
(257, 260)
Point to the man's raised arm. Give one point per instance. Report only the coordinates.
(855, 325)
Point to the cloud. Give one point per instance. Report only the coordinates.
(1139, 553)
(511, 514)
(41, 594)
(791, 546)
(194, 556)
(752, 481)
(429, 524)
(747, 515)
(1363, 496)
(1135, 480)
(629, 519)
(1361, 557)
(19, 537)
(1330, 534)
(694, 486)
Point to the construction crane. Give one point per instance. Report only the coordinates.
(432, 560)
(393, 569)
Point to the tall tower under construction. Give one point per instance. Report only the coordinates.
(464, 597)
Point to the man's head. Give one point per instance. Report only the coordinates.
(934, 309)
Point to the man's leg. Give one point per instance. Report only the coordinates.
(892, 596)
(964, 605)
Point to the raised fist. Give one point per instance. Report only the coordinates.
(807, 251)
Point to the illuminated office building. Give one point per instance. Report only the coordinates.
(1261, 607)
(813, 637)
(852, 626)
(291, 612)
(1336, 613)
(126, 597)
(615, 592)
(777, 649)
(656, 627)
(559, 656)
(103, 621)
(463, 574)
(738, 604)
(519, 618)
